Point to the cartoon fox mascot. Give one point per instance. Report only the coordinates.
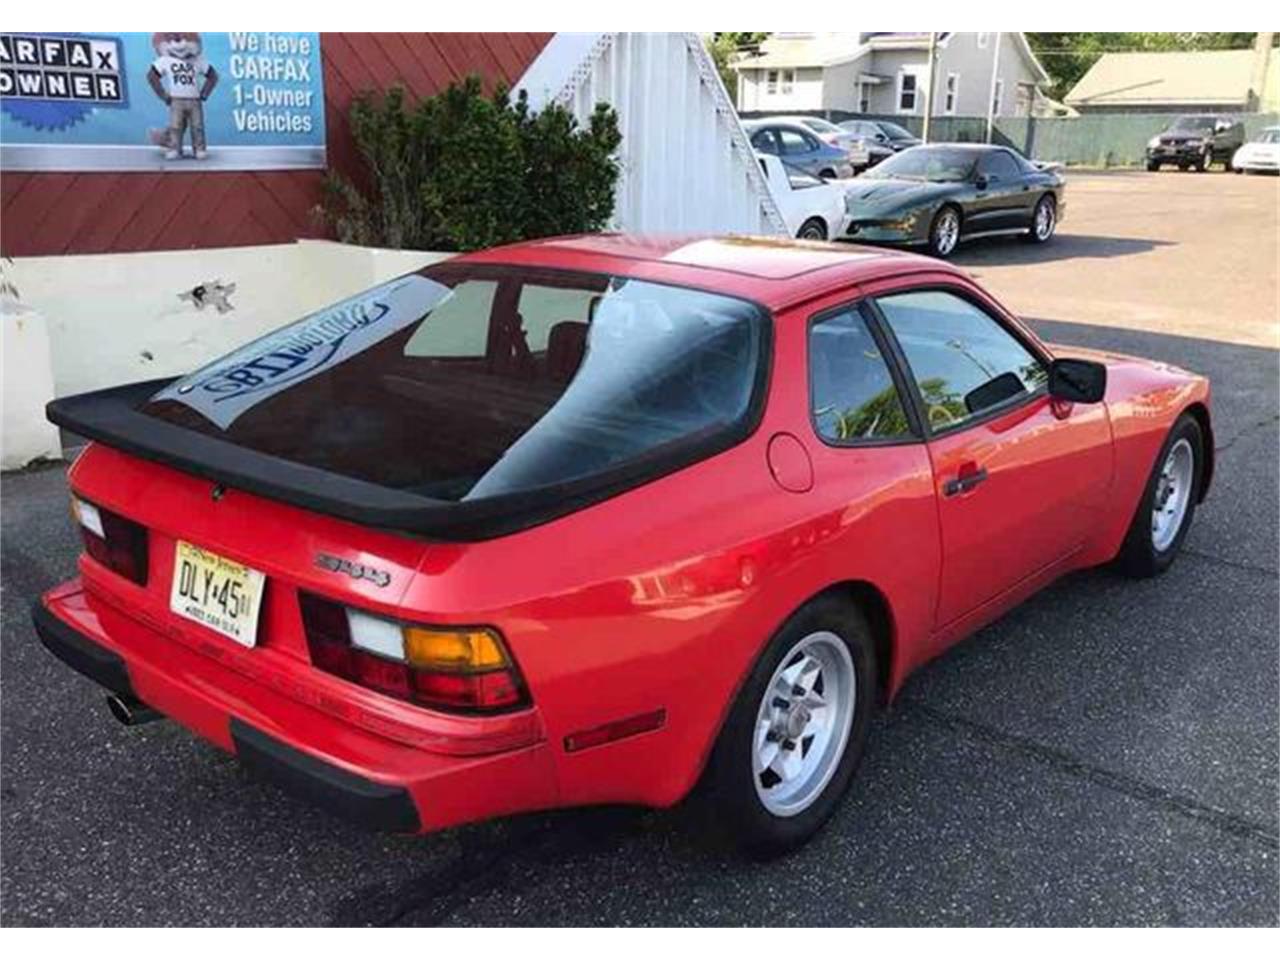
(183, 79)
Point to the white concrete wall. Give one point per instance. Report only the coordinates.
(118, 318)
(25, 435)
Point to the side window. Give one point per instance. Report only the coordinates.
(963, 361)
(544, 309)
(793, 142)
(852, 394)
(999, 165)
(458, 327)
(763, 141)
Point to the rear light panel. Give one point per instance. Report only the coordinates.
(461, 670)
(119, 544)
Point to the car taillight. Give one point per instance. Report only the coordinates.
(460, 669)
(115, 542)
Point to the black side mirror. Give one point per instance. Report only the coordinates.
(980, 181)
(1079, 381)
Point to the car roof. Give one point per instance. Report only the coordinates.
(773, 122)
(772, 271)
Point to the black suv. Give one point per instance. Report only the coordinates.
(1196, 140)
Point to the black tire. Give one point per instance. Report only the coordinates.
(1032, 236)
(936, 245)
(827, 174)
(733, 807)
(815, 228)
(1139, 556)
(1152, 166)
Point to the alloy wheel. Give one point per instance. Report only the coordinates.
(1045, 219)
(946, 232)
(1173, 494)
(802, 723)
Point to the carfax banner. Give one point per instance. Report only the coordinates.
(161, 101)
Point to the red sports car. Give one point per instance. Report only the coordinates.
(599, 519)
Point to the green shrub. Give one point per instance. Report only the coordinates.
(462, 171)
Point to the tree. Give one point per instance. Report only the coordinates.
(1068, 56)
(462, 171)
(724, 47)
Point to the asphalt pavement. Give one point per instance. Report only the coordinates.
(1106, 754)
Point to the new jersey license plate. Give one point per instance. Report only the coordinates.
(217, 592)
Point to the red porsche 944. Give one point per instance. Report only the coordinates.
(602, 519)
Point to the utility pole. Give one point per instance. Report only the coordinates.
(928, 96)
(991, 94)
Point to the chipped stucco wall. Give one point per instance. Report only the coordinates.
(119, 318)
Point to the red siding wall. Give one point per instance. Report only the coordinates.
(62, 213)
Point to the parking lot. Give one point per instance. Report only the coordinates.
(1106, 754)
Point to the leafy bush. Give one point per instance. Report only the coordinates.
(461, 171)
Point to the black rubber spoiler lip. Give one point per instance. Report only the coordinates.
(112, 417)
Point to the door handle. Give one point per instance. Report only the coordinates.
(965, 482)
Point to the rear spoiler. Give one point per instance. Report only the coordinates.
(113, 417)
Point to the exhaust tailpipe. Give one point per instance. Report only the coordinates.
(131, 711)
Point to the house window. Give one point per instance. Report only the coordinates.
(953, 92)
(781, 81)
(996, 98)
(907, 85)
(982, 40)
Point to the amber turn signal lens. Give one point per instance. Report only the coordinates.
(462, 651)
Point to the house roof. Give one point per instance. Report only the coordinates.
(831, 49)
(812, 51)
(1176, 77)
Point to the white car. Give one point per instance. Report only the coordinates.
(1260, 154)
(812, 209)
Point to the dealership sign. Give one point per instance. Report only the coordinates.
(161, 101)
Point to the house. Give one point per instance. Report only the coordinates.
(1210, 81)
(888, 73)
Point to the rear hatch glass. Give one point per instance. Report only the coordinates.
(478, 382)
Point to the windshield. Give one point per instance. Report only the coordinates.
(895, 132)
(467, 381)
(1193, 123)
(1269, 136)
(801, 179)
(934, 164)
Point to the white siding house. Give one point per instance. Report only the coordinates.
(888, 74)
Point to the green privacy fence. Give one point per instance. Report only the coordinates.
(1104, 140)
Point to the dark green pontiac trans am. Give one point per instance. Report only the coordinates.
(940, 194)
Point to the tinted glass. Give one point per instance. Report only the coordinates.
(963, 361)
(468, 381)
(999, 164)
(1269, 136)
(763, 141)
(938, 164)
(852, 393)
(1194, 123)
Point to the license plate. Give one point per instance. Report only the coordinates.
(217, 592)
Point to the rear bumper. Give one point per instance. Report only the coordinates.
(377, 782)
